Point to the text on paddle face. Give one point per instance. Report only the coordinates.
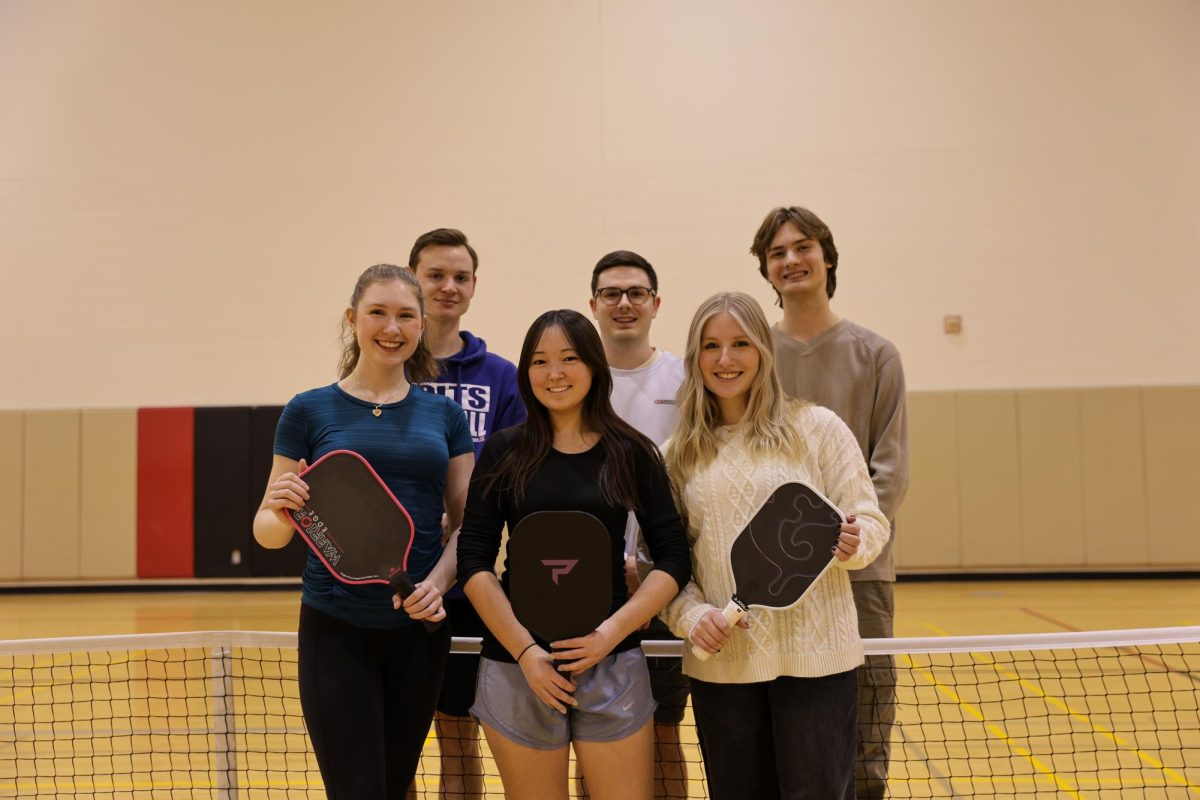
(316, 530)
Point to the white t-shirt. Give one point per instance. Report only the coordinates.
(645, 398)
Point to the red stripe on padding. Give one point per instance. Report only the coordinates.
(165, 495)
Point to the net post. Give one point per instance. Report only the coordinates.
(223, 725)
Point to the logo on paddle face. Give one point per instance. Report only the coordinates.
(318, 534)
(559, 567)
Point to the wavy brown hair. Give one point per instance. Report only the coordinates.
(808, 224)
(421, 365)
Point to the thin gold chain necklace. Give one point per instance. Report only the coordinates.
(377, 410)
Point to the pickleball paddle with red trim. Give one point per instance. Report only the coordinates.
(355, 525)
(786, 547)
(560, 574)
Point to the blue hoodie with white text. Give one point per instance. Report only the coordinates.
(484, 384)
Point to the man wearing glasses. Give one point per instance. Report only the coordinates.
(645, 379)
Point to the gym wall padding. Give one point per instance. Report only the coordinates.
(165, 493)
(1114, 490)
(1051, 476)
(928, 520)
(222, 513)
(285, 561)
(108, 494)
(989, 489)
(138, 493)
(12, 491)
(1052, 479)
(51, 497)
(1171, 419)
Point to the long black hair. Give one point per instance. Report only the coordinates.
(620, 441)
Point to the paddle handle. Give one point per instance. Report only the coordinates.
(404, 587)
(732, 612)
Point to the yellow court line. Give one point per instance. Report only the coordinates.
(997, 731)
(992, 780)
(85, 671)
(132, 657)
(66, 784)
(113, 785)
(1062, 705)
(75, 673)
(59, 660)
(14, 695)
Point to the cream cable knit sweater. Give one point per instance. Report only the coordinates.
(819, 635)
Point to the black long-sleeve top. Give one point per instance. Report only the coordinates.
(569, 482)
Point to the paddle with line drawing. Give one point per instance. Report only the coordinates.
(782, 552)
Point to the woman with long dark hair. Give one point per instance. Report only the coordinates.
(369, 674)
(573, 453)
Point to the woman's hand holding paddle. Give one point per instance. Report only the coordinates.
(425, 602)
(848, 540)
(713, 630)
(287, 491)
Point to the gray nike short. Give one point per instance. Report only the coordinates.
(614, 702)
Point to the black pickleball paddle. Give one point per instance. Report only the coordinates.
(355, 525)
(782, 552)
(560, 573)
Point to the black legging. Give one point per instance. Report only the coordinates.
(368, 697)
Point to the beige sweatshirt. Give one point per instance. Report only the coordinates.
(819, 635)
(856, 373)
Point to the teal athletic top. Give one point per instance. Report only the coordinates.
(409, 445)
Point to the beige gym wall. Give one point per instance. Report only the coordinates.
(188, 189)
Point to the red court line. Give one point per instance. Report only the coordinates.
(1045, 618)
(1149, 659)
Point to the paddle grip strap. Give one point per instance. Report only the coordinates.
(732, 613)
(404, 587)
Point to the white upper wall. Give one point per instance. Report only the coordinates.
(188, 190)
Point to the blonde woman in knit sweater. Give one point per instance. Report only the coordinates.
(776, 704)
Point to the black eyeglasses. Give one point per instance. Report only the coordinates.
(611, 295)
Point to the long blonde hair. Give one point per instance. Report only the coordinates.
(768, 423)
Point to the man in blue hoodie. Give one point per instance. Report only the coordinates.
(485, 385)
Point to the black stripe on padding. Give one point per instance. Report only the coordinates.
(222, 509)
(286, 562)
